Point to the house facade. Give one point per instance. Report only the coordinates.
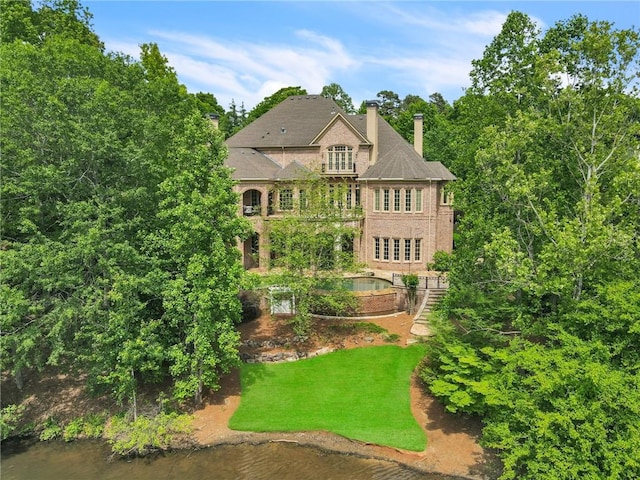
(394, 199)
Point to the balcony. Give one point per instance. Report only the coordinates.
(250, 210)
(349, 170)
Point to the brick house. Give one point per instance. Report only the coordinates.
(396, 199)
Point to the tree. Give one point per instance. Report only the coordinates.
(308, 260)
(100, 154)
(198, 245)
(548, 195)
(389, 105)
(338, 95)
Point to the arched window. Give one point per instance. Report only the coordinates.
(340, 159)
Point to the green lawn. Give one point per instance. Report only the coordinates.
(360, 393)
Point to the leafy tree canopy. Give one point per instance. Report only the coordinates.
(546, 257)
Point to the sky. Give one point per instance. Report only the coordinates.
(244, 51)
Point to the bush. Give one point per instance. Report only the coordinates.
(338, 303)
(9, 418)
(146, 434)
(50, 430)
(90, 426)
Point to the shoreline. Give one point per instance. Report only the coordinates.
(452, 440)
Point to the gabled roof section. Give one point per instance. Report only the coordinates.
(336, 118)
(398, 160)
(249, 164)
(293, 171)
(294, 122)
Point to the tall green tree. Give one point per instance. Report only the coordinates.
(311, 245)
(548, 197)
(338, 95)
(198, 245)
(93, 145)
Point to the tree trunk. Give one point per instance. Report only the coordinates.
(19, 379)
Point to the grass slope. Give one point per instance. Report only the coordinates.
(361, 393)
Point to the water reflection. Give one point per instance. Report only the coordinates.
(90, 460)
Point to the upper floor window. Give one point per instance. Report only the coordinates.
(418, 200)
(376, 200)
(396, 200)
(340, 159)
(407, 200)
(385, 204)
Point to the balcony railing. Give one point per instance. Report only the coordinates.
(250, 210)
(336, 170)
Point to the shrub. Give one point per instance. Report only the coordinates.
(9, 418)
(90, 426)
(146, 434)
(50, 430)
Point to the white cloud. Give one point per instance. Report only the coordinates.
(427, 49)
(251, 71)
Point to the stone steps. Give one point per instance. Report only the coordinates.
(420, 327)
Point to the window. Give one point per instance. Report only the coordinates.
(419, 200)
(376, 200)
(376, 248)
(304, 201)
(357, 189)
(407, 200)
(416, 251)
(340, 158)
(286, 199)
(386, 200)
(396, 249)
(407, 250)
(385, 249)
(446, 198)
(396, 200)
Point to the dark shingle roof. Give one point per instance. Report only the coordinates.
(295, 121)
(298, 120)
(249, 164)
(293, 171)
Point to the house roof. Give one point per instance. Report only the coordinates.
(250, 164)
(299, 120)
(294, 122)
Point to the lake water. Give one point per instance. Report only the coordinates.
(91, 460)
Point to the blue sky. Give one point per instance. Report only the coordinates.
(246, 51)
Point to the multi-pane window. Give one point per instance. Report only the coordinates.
(407, 200)
(376, 200)
(385, 204)
(376, 248)
(416, 251)
(396, 249)
(385, 249)
(340, 158)
(304, 201)
(357, 193)
(286, 199)
(396, 200)
(349, 197)
(418, 200)
(407, 250)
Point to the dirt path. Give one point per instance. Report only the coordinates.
(452, 441)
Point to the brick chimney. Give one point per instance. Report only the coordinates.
(417, 133)
(214, 118)
(372, 129)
